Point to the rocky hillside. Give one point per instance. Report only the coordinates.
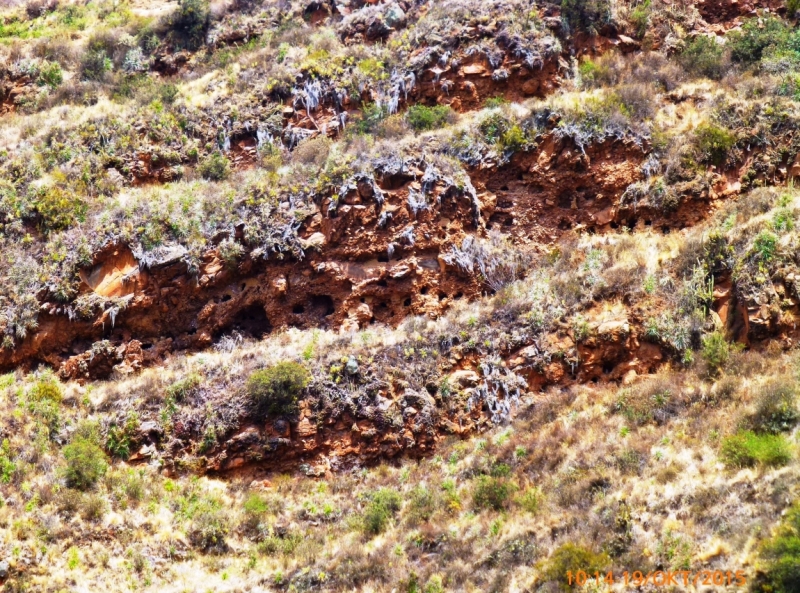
(398, 296)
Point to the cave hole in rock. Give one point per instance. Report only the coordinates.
(665, 229)
(407, 302)
(504, 188)
(382, 283)
(632, 223)
(298, 309)
(226, 298)
(520, 176)
(608, 368)
(458, 295)
(442, 296)
(614, 225)
(243, 286)
(383, 257)
(648, 222)
(363, 300)
(322, 305)
(252, 320)
(424, 290)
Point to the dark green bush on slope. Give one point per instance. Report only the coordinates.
(781, 557)
(757, 37)
(586, 15)
(275, 390)
(190, 22)
(86, 463)
(422, 117)
(703, 56)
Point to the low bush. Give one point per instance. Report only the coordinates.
(530, 499)
(50, 74)
(780, 556)
(586, 15)
(492, 493)
(713, 143)
(190, 22)
(215, 167)
(86, 463)
(95, 64)
(180, 389)
(572, 558)
(777, 408)
(716, 351)
(747, 449)
(121, 437)
(756, 37)
(382, 507)
(703, 56)
(422, 504)
(422, 117)
(655, 400)
(276, 389)
(47, 388)
(209, 527)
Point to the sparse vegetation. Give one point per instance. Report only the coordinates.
(481, 300)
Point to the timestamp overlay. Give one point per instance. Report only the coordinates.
(659, 578)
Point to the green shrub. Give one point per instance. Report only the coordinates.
(765, 246)
(640, 18)
(95, 64)
(713, 143)
(215, 167)
(372, 115)
(120, 438)
(780, 555)
(422, 504)
(86, 463)
(183, 387)
(58, 208)
(422, 117)
(572, 558)
(383, 505)
(530, 499)
(747, 449)
(7, 465)
(191, 21)
(792, 7)
(44, 400)
(756, 38)
(703, 56)
(46, 388)
(513, 138)
(586, 15)
(209, 526)
(50, 74)
(716, 351)
(495, 102)
(591, 72)
(276, 389)
(777, 409)
(492, 493)
(652, 401)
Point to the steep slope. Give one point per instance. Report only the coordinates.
(505, 289)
